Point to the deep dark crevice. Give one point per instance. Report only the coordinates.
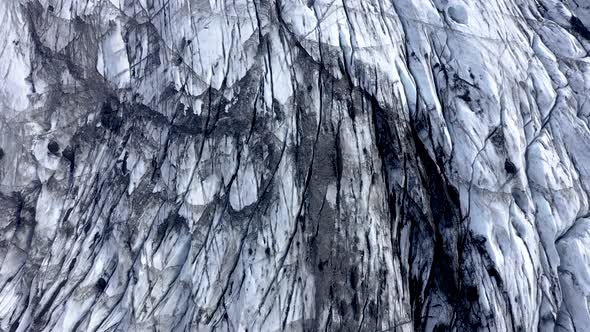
(53, 147)
(446, 275)
(509, 167)
(70, 155)
(442, 209)
(110, 116)
(579, 27)
(101, 285)
(394, 157)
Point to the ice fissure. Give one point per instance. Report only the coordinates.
(291, 165)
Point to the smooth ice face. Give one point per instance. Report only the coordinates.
(263, 165)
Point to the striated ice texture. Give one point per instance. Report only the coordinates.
(294, 165)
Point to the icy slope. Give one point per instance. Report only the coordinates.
(286, 165)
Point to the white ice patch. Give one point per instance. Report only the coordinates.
(113, 63)
(331, 194)
(245, 189)
(202, 191)
(49, 207)
(14, 52)
(281, 71)
(139, 169)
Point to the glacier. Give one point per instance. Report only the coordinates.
(294, 165)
